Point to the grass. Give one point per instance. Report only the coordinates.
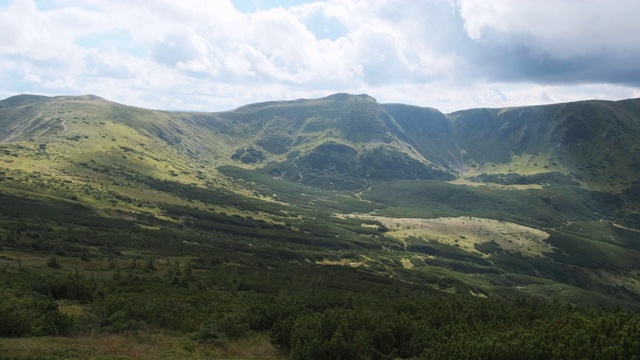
(468, 232)
(524, 164)
(141, 345)
(582, 251)
(430, 199)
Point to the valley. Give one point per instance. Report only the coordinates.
(244, 234)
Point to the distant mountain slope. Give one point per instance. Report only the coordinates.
(348, 141)
(341, 141)
(21, 118)
(594, 141)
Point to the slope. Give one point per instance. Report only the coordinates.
(265, 175)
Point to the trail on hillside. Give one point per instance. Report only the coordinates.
(63, 121)
(64, 126)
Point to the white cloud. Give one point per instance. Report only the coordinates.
(32, 78)
(207, 55)
(565, 28)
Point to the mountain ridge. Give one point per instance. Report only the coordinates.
(282, 131)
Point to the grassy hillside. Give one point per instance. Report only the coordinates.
(311, 215)
(595, 142)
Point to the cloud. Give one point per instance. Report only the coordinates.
(213, 55)
(32, 78)
(555, 41)
(564, 28)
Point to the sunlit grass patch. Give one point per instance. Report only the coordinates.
(468, 232)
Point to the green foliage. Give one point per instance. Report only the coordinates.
(275, 143)
(546, 178)
(490, 247)
(149, 265)
(457, 328)
(578, 250)
(25, 313)
(435, 198)
(548, 207)
(55, 210)
(435, 248)
(341, 167)
(53, 262)
(228, 327)
(70, 287)
(298, 194)
(84, 256)
(249, 155)
(211, 334)
(212, 196)
(383, 164)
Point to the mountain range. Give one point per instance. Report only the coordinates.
(542, 200)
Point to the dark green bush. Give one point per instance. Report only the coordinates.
(31, 314)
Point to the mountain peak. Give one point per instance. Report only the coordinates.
(346, 96)
(86, 97)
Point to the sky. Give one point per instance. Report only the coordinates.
(216, 55)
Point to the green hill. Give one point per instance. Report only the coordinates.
(308, 205)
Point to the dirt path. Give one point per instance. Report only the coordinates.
(64, 126)
(63, 123)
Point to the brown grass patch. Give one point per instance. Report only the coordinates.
(341, 262)
(466, 232)
(141, 346)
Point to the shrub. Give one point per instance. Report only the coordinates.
(53, 262)
(31, 314)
